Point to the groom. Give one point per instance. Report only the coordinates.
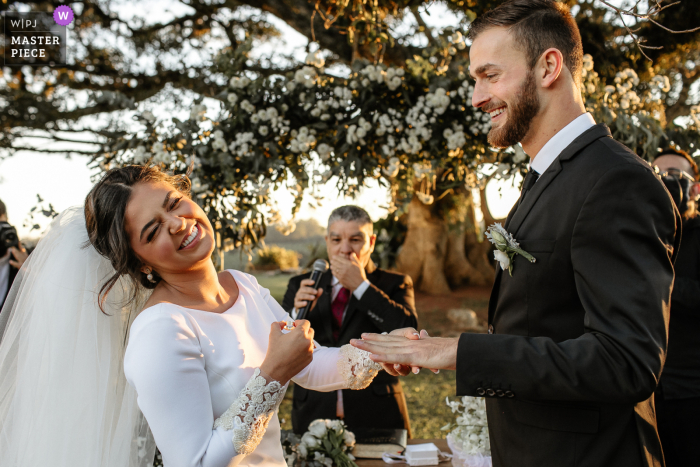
(577, 339)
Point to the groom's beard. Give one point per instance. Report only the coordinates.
(519, 116)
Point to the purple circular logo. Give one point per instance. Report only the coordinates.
(63, 15)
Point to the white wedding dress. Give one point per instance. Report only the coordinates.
(196, 376)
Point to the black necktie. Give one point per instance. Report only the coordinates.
(529, 182)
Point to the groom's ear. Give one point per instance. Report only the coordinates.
(549, 67)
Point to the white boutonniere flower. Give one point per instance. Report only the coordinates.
(506, 246)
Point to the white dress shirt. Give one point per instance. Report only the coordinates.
(188, 366)
(551, 150)
(4, 275)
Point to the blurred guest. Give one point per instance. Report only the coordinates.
(678, 395)
(354, 296)
(11, 258)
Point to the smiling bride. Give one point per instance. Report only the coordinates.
(207, 360)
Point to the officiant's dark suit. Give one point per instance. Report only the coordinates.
(577, 339)
(386, 305)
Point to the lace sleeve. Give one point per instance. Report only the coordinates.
(355, 366)
(251, 412)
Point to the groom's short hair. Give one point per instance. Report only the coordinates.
(537, 25)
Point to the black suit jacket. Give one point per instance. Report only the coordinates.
(13, 274)
(386, 305)
(579, 337)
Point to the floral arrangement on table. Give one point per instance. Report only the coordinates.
(469, 434)
(327, 443)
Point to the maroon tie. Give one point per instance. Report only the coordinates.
(338, 308)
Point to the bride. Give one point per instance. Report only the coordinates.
(206, 361)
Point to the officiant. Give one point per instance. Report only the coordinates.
(354, 296)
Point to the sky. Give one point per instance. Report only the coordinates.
(64, 182)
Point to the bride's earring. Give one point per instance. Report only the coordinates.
(149, 276)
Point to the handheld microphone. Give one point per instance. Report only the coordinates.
(320, 266)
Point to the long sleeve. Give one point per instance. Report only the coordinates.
(332, 368)
(250, 414)
(393, 310)
(165, 364)
(621, 252)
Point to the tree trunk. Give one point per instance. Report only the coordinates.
(439, 257)
(422, 254)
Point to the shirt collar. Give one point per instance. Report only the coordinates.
(557, 143)
(4, 260)
(334, 281)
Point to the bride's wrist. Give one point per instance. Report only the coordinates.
(271, 373)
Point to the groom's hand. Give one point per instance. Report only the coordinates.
(428, 352)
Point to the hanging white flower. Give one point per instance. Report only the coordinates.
(148, 116)
(315, 59)
(239, 82)
(197, 112)
(324, 151)
(306, 76)
(140, 155)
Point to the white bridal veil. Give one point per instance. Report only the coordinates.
(64, 399)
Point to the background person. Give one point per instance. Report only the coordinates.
(678, 396)
(10, 262)
(354, 296)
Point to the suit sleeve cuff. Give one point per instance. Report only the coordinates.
(361, 289)
(474, 370)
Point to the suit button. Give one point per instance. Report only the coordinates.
(490, 328)
(480, 391)
(490, 392)
(500, 393)
(510, 394)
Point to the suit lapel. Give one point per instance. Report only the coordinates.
(586, 138)
(523, 210)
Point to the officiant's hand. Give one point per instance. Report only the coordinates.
(349, 271)
(288, 354)
(306, 294)
(429, 352)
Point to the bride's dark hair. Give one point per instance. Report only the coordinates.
(105, 207)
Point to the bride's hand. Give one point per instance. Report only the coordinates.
(288, 354)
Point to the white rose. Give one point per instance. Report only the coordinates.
(336, 425)
(318, 428)
(310, 440)
(502, 258)
(303, 452)
(349, 438)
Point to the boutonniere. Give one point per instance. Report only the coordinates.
(506, 246)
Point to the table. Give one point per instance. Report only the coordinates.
(440, 443)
